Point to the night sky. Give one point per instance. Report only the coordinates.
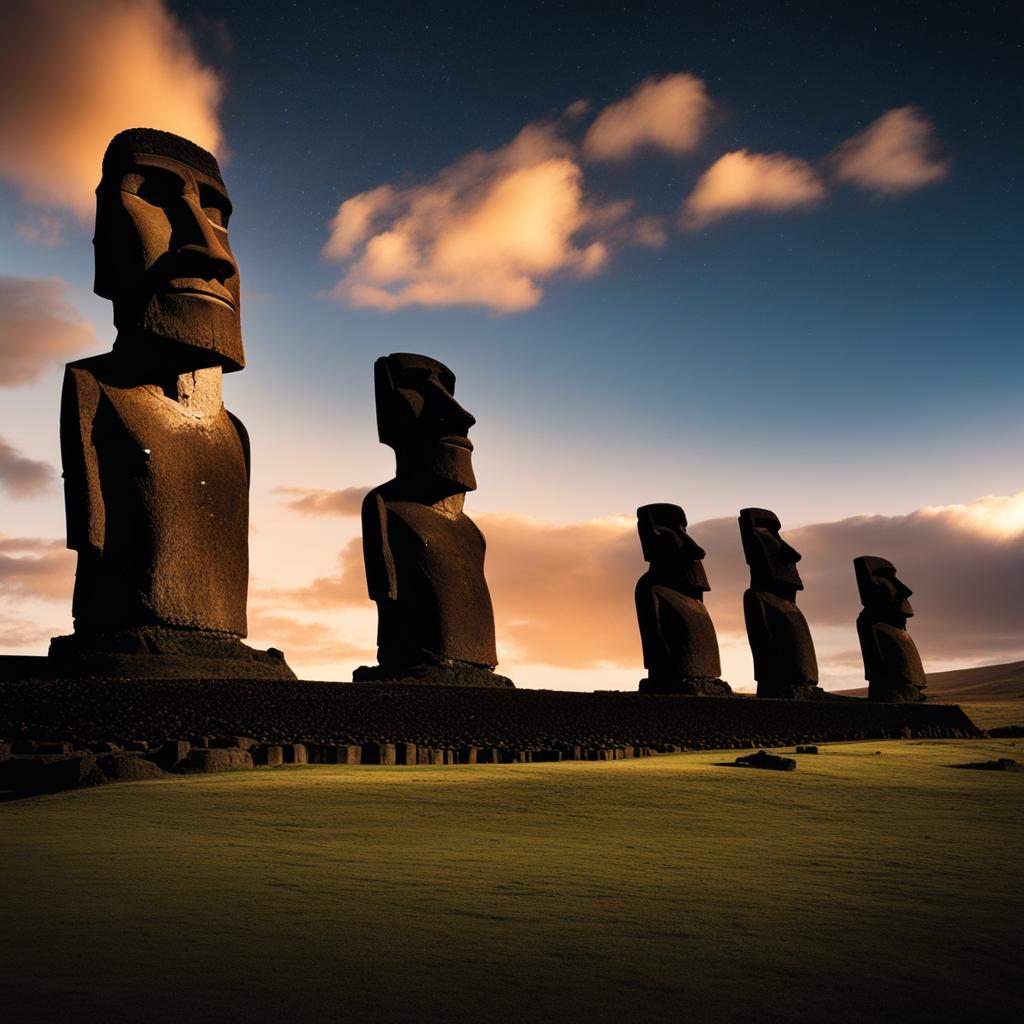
(855, 353)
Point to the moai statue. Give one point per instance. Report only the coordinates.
(892, 665)
(156, 471)
(424, 556)
(676, 632)
(784, 661)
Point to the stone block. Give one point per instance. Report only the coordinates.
(128, 767)
(807, 750)
(405, 753)
(762, 759)
(170, 755)
(469, 755)
(269, 754)
(379, 753)
(216, 759)
(5, 751)
(295, 753)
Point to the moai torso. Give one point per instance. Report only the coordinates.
(780, 642)
(436, 605)
(676, 632)
(157, 498)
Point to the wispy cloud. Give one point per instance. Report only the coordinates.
(668, 113)
(312, 502)
(893, 155)
(21, 477)
(742, 181)
(72, 75)
(39, 326)
(34, 567)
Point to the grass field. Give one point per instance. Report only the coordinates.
(988, 714)
(862, 887)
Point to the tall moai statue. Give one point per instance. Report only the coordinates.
(424, 556)
(892, 665)
(676, 632)
(780, 640)
(156, 471)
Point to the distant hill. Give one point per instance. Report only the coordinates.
(988, 682)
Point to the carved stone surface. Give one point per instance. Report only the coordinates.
(892, 665)
(424, 556)
(780, 640)
(156, 470)
(679, 643)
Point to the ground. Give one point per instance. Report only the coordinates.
(862, 887)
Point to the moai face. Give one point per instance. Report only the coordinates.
(667, 545)
(418, 417)
(772, 561)
(162, 251)
(881, 592)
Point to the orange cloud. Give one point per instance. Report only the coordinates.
(894, 154)
(668, 113)
(21, 477)
(751, 181)
(305, 643)
(36, 568)
(72, 75)
(311, 502)
(38, 327)
(487, 231)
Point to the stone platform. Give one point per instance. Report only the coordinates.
(276, 711)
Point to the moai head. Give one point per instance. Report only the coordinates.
(418, 416)
(772, 561)
(882, 593)
(162, 252)
(670, 549)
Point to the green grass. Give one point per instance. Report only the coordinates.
(862, 887)
(988, 714)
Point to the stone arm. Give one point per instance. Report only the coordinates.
(381, 579)
(243, 437)
(83, 497)
(648, 615)
(759, 636)
(869, 649)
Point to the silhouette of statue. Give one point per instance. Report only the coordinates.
(156, 471)
(676, 632)
(424, 556)
(892, 665)
(784, 661)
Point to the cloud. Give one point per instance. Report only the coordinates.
(668, 113)
(38, 327)
(311, 502)
(894, 154)
(751, 181)
(45, 229)
(310, 643)
(563, 594)
(72, 75)
(488, 231)
(36, 568)
(21, 477)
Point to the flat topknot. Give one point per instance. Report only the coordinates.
(126, 144)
